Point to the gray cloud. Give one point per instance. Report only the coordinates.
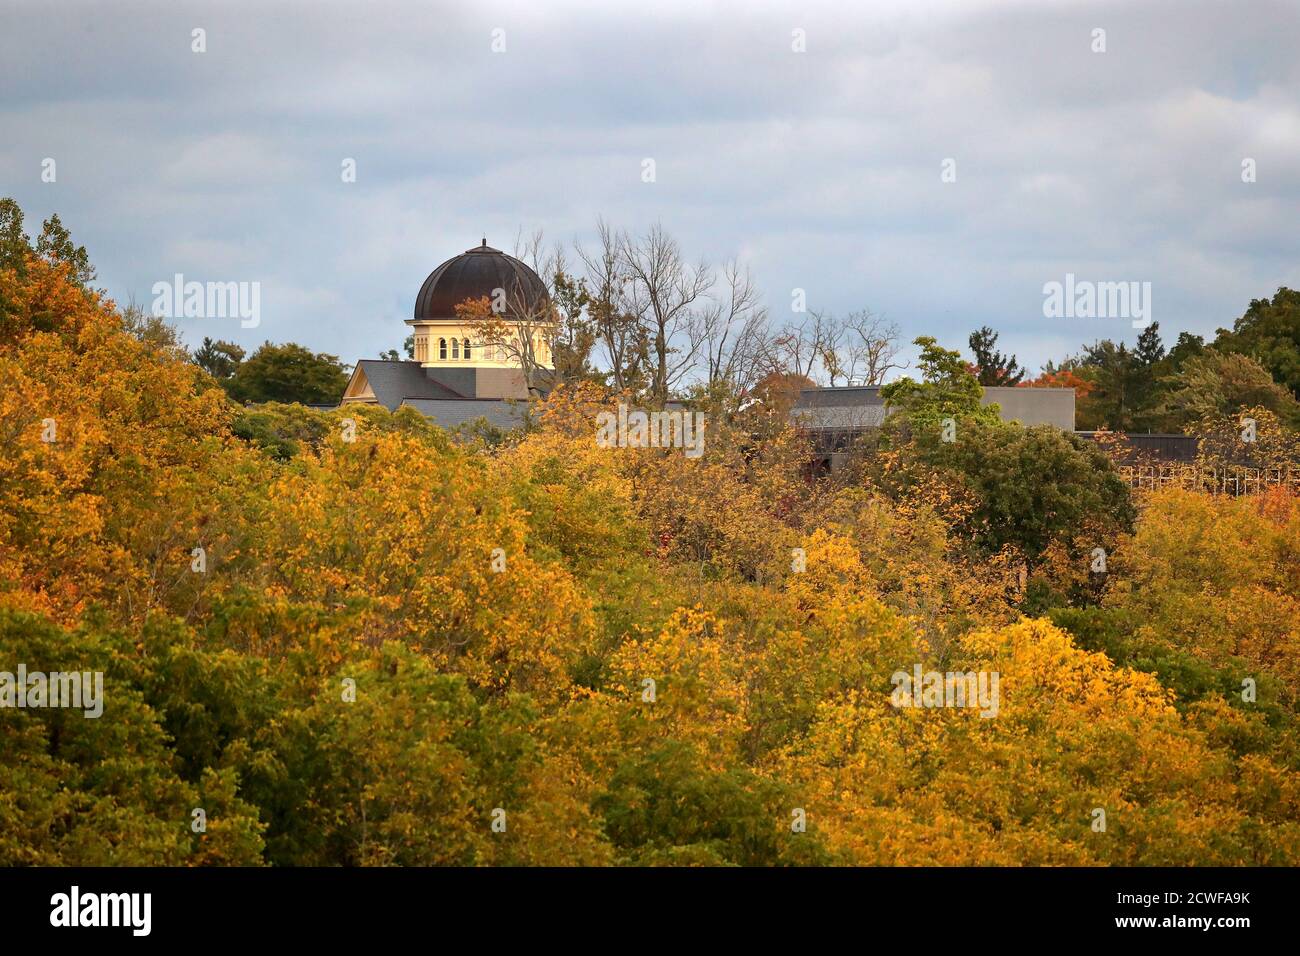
(820, 169)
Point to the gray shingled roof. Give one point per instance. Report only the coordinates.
(451, 413)
(394, 382)
(844, 396)
(853, 406)
(839, 416)
(860, 406)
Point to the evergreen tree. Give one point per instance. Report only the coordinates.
(220, 359)
(993, 368)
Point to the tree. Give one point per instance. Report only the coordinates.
(735, 329)
(288, 373)
(668, 293)
(870, 347)
(1125, 384)
(1149, 349)
(1269, 332)
(1033, 487)
(1218, 384)
(615, 319)
(1052, 377)
(947, 388)
(1215, 575)
(521, 333)
(361, 646)
(408, 348)
(797, 349)
(548, 339)
(993, 368)
(778, 391)
(153, 330)
(55, 245)
(575, 335)
(1188, 346)
(564, 325)
(15, 246)
(220, 359)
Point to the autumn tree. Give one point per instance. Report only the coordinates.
(55, 245)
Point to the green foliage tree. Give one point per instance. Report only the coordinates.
(1269, 332)
(575, 337)
(1033, 487)
(1219, 384)
(1125, 386)
(1187, 347)
(288, 373)
(1014, 487)
(947, 389)
(109, 790)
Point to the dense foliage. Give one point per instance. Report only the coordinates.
(616, 656)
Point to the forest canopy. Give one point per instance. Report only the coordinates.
(384, 644)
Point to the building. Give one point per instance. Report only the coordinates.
(460, 374)
(834, 417)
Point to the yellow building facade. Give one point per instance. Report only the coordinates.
(452, 362)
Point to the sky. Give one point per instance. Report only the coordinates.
(821, 169)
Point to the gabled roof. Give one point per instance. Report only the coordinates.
(394, 382)
(451, 413)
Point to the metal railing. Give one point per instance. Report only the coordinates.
(1231, 480)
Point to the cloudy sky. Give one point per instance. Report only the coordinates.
(820, 169)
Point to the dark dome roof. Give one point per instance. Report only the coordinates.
(474, 274)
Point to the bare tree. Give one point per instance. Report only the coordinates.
(870, 348)
(799, 349)
(667, 292)
(615, 316)
(549, 339)
(568, 335)
(734, 330)
(515, 325)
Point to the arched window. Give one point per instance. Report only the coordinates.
(442, 348)
(467, 350)
(455, 348)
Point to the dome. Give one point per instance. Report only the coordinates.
(475, 274)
